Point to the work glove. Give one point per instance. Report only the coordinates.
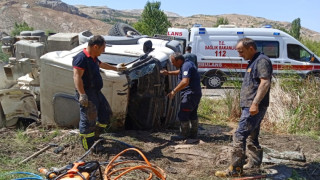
(83, 100)
(121, 67)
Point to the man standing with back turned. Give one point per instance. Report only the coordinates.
(192, 57)
(190, 91)
(95, 110)
(254, 101)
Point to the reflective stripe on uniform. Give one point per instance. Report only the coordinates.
(85, 144)
(101, 125)
(84, 139)
(87, 135)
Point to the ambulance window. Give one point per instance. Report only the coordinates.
(269, 48)
(298, 53)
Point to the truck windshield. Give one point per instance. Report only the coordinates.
(115, 59)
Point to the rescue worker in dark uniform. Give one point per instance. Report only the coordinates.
(95, 111)
(190, 91)
(254, 101)
(192, 57)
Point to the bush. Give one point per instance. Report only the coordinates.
(294, 106)
(3, 57)
(19, 28)
(314, 46)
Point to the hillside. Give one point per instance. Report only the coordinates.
(57, 16)
(46, 18)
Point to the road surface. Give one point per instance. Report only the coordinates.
(216, 93)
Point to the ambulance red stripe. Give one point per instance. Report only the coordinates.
(244, 66)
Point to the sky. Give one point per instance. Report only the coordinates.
(277, 10)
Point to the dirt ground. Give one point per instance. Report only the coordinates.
(177, 159)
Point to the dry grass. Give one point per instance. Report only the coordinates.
(294, 106)
(277, 116)
(232, 102)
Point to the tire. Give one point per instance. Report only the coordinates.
(38, 33)
(121, 29)
(213, 81)
(7, 40)
(25, 33)
(84, 37)
(314, 76)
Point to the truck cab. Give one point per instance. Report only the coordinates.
(137, 96)
(42, 89)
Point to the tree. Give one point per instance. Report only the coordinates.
(221, 21)
(314, 46)
(153, 20)
(295, 28)
(283, 29)
(20, 27)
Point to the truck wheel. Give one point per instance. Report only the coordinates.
(121, 29)
(25, 33)
(38, 33)
(7, 40)
(213, 81)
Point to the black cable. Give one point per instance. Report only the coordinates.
(100, 171)
(81, 175)
(60, 176)
(86, 153)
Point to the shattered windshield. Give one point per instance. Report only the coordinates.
(115, 59)
(142, 71)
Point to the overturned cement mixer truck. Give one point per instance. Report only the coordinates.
(37, 83)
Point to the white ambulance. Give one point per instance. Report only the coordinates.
(218, 59)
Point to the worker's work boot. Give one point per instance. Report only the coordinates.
(87, 142)
(184, 131)
(254, 157)
(194, 129)
(98, 131)
(236, 167)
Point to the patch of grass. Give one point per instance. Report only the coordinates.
(212, 111)
(294, 106)
(21, 138)
(16, 146)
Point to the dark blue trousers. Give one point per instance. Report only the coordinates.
(97, 114)
(189, 107)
